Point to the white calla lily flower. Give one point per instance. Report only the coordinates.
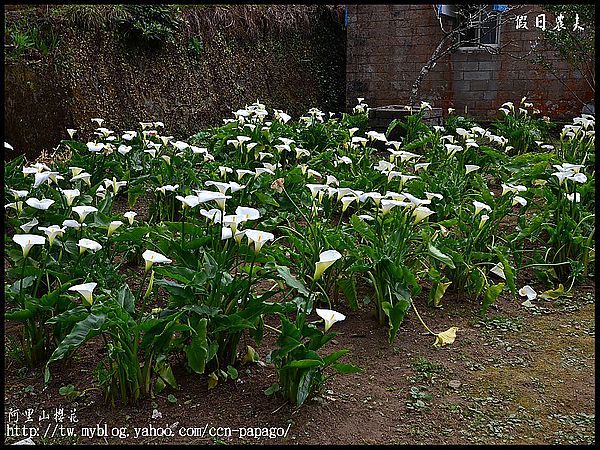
(83, 176)
(17, 194)
(113, 226)
(167, 188)
(88, 244)
(18, 206)
(214, 215)
(152, 257)
(247, 213)
(189, 201)
(346, 202)
(70, 195)
(52, 232)
(471, 168)
(484, 218)
(27, 241)
(86, 290)
(26, 227)
(520, 200)
(116, 185)
(498, 269)
(258, 238)
(130, 215)
(479, 206)
(226, 232)
(330, 317)
(421, 212)
(83, 211)
(43, 204)
(326, 259)
(528, 291)
(70, 223)
(42, 177)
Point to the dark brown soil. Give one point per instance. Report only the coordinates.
(521, 376)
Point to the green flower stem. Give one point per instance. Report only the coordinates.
(172, 207)
(247, 296)
(139, 296)
(182, 224)
(21, 295)
(146, 295)
(378, 311)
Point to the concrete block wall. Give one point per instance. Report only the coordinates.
(385, 51)
(388, 44)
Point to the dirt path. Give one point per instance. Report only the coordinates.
(522, 376)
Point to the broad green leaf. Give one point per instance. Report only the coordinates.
(304, 386)
(104, 208)
(409, 279)
(490, 296)
(101, 219)
(259, 329)
(203, 310)
(19, 315)
(181, 274)
(82, 331)
(166, 375)
(133, 193)
(176, 289)
(330, 359)
(213, 347)
(126, 299)
(210, 266)
(395, 314)
(272, 389)
(266, 199)
(508, 271)
(79, 147)
(478, 281)
(72, 315)
(68, 391)
(359, 266)
(131, 235)
(433, 251)
(197, 351)
(232, 372)
(231, 323)
(304, 363)
(348, 287)
(290, 280)
(21, 284)
(362, 228)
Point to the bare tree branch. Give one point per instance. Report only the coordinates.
(471, 17)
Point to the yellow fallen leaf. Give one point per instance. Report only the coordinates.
(556, 293)
(250, 356)
(445, 337)
(213, 380)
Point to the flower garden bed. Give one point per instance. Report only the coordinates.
(226, 279)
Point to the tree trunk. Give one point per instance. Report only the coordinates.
(440, 51)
